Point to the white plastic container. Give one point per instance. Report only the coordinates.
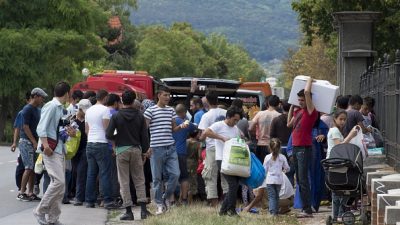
(324, 93)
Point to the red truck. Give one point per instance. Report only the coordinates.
(117, 81)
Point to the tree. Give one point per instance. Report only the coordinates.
(316, 20)
(181, 51)
(42, 42)
(312, 61)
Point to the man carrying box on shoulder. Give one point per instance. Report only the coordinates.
(302, 120)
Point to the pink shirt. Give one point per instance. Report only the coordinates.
(263, 120)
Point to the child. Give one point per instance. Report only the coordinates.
(367, 122)
(335, 137)
(193, 146)
(274, 164)
(366, 115)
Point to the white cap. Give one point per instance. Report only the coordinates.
(84, 104)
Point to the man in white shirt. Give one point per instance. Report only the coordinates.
(99, 160)
(221, 132)
(210, 171)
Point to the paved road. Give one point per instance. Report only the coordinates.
(8, 189)
(13, 211)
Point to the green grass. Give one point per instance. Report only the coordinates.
(198, 214)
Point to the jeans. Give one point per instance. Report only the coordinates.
(229, 203)
(99, 161)
(261, 152)
(164, 160)
(68, 178)
(338, 205)
(115, 188)
(302, 156)
(80, 163)
(19, 172)
(46, 181)
(273, 198)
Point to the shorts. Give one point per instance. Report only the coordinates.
(27, 153)
(183, 168)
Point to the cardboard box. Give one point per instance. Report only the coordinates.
(324, 93)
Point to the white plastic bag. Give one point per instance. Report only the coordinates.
(369, 140)
(358, 140)
(236, 158)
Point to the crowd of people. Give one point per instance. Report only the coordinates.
(127, 146)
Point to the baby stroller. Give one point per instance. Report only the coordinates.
(344, 177)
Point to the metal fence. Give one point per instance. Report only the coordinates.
(382, 82)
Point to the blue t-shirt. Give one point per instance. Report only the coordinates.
(181, 136)
(112, 112)
(19, 121)
(31, 117)
(198, 115)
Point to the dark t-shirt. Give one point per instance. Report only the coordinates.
(280, 130)
(353, 118)
(31, 117)
(83, 142)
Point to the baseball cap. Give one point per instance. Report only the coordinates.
(84, 104)
(39, 92)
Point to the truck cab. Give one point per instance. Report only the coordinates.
(117, 81)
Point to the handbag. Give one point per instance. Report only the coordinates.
(52, 144)
(72, 145)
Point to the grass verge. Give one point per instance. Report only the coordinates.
(198, 214)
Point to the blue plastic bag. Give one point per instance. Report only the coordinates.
(257, 173)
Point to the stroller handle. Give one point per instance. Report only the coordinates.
(337, 162)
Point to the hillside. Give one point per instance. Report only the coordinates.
(266, 28)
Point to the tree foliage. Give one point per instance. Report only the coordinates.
(42, 42)
(181, 51)
(266, 29)
(313, 60)
(316, 19)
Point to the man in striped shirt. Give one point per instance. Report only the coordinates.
(160, 119)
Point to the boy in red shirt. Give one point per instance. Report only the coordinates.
(302, 121)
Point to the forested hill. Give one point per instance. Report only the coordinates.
(266, 28)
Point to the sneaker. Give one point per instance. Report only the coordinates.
(35, 198)
(56, 223)
(41, 218)
(233, 213)
(160, 209)
(24, 198)
(19, 196)
(127, 216)
(78, 203)
(145, 214)
(111, 205)
(36, 189)
(89, 205)
(305, 215)
(169, 205)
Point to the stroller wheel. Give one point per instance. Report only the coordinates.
(329, 220)
(348, 218)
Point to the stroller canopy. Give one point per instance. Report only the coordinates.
(347, 151)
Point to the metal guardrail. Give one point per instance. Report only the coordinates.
(382, 82)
